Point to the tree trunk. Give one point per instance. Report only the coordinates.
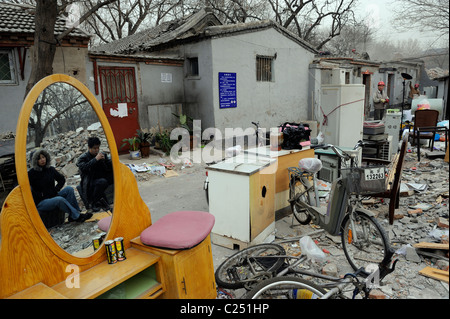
(44, 41)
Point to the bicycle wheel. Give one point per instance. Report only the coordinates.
(364, 240)
(297, 191)
(250, 265)
(286, 288)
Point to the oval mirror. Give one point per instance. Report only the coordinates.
(69, 161)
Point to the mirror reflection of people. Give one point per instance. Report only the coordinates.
(96, 176)
(47, 188)
(380, 100)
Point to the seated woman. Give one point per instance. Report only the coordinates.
(48, 196)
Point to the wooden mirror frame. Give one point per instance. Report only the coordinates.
(28, 253)
(21, 160)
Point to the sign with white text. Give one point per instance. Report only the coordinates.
(227, 90)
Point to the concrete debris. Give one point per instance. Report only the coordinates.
(66, 148)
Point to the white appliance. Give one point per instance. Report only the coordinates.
(242, 200)
(330, 168)
(343, 106)
(392, 127)
(386, 150)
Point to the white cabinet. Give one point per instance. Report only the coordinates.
(242, 200)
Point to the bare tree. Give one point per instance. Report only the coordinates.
(125, 18)
(61, 107)
(354, 36)
(303, 17)
(45, 42)
(427, 15)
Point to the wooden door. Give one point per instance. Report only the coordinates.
(119, 101)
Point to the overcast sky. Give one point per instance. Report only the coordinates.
(382, 15)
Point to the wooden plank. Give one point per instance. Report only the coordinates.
(435, 273)
(104, 276)
(432, 245)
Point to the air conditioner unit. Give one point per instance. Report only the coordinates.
(392, 127)
(386, 149)
(330, 168)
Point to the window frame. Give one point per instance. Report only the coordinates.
(264, 61)
(12, 67)
(193, 69)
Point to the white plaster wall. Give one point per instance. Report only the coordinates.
(198, 90)
(270, 103)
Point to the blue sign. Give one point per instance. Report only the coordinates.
(227, 90)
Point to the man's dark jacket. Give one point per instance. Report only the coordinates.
(90, 170)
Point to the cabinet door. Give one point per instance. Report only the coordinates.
(196, 273)
(262, 200)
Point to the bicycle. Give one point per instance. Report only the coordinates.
(256, 267)
(360, 231)
(289, 287)
(363, 239)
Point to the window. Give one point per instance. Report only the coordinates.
(7, 74)
(264, 68)
(193, 67)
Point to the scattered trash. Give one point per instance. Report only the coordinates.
(423, 207)
(417, 187)
(402, 250)
(187, 163)
(311, 250)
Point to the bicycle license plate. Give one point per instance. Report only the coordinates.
(374, 173)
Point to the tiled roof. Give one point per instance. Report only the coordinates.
(223, 30)
(20, 19)
(161, 34)
(200, 24)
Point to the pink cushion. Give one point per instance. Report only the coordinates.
(104, 223)
(179, 230)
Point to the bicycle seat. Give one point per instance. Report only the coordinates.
(310, 165)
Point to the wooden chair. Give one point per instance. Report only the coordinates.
(393, 180)
(425, 126)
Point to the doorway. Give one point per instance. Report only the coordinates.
(119, 101)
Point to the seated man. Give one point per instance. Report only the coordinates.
(96, 175)
(48, 196)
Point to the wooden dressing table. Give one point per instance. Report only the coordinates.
(33, 265)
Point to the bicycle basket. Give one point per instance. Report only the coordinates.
(365, 180)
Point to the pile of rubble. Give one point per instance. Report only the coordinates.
(66, 148)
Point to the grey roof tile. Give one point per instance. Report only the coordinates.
(20, 19)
